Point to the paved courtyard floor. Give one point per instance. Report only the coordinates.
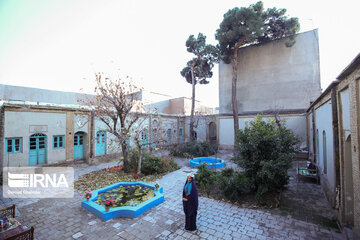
(65, 219)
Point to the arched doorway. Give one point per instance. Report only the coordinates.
(349, 187)
(37, 149)
(79, 145)
(212, 133)
(100, 143)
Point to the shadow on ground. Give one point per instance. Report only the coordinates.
(304, 199)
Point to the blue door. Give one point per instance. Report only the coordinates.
(37, 149)
(144, 139)
(169, 136)
(100, 143)
(181, 135)
(154, 137)
(79, 148)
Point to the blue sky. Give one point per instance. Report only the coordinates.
(59, 44)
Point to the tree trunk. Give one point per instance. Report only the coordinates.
(234, 97)
(125, 156)
(192, 134)
(139, 163)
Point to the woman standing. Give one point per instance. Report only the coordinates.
(190, 203)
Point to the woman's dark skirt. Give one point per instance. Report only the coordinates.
(190, 222)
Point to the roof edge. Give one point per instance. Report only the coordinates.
(327, 90)
(349, 68)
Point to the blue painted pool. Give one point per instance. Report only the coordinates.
(126, 211)
(211, 162)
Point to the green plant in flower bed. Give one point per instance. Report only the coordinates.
(227, 184)
(102, 178)
(205, 178)
(194, 149)
(151, 164)
(105, 177)
(126, 196)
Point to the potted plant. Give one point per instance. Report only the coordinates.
(88, 195)
(108, 204)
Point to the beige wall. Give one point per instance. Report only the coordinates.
(348, 105)
(273, 77)
(297, 123)
(24, 124)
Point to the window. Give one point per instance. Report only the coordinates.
(58, 141)
(13, 145)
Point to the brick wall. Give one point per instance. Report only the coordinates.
(352, 83)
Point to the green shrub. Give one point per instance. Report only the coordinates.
(194, 149)
(205, 178)
(265, 151)
(227, 187)
(231, 185)
(151, 164)
(243, 186)
(168, 165)
(227, 172)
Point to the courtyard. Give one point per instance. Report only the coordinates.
(300, 215)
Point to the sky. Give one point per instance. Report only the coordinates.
(60, 44)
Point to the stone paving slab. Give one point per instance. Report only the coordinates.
(80, 169)
(65, 219)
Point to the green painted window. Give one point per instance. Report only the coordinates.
(13, 145)
(58, 142)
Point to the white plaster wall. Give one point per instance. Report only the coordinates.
(81, 123)
(8, 92)
(201, 130)
(159, 107)
(310, 133)
(151, 97)
(17, 124)
(226, 133)
(298, 125)
(345, 111)
(323, 122)
(226, 130)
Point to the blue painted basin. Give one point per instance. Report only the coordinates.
(211, 162)
(126, 211)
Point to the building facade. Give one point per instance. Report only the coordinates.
(273, 80)
(333, 139)
(35, 133)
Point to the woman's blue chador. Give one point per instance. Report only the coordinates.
(191, 205)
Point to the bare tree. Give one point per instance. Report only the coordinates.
(138, 134)
(117, 105)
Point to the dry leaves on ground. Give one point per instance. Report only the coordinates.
(102, 178)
